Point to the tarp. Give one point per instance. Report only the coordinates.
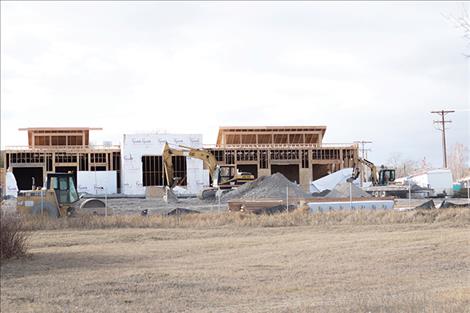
(11, 186)
(427, 205)
(447, 204)
(331, 181)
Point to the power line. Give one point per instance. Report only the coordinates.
(363, 149)
(442, 128)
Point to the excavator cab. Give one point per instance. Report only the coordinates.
(386, 176)
(64, 187)
(226, 173)
(229, 176)
(379, 177)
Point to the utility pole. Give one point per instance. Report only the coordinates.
(363, 155)
(442, 128)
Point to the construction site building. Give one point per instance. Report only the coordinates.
(142, 163)
(59, 150)
(297, 152)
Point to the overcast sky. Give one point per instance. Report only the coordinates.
(368, 71)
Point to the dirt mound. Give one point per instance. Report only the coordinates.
(342, 191)
(267, 187)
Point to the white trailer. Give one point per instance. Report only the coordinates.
(440, 180)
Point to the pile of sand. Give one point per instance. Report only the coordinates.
(276, 186)
(342, 191)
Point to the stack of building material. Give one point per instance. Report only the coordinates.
(356, 204)
(347, 196)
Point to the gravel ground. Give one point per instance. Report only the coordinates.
(158, 206)
(136, 205)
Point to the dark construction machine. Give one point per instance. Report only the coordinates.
(222, 176)
(59, 199)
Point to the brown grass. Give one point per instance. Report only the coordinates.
(322, 268)
(13, 240)
(377, 261)
(457, 216)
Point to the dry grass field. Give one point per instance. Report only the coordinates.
(336, 263)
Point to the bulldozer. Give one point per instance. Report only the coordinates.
(223, 176)
(59, 199)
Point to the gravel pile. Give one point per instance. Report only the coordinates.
(267, 187)
(342, 191)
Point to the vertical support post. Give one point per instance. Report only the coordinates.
(219, 195)
(350, 195)
(409, 194)
(105, 202)
(53, 163)
(287, 199)
(42, 202)
(468, 190)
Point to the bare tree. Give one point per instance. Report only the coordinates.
(458, 161)
(462, 22)
(405, 167)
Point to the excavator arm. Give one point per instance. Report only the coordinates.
(168, 163)
(208, 158)
(373, 169)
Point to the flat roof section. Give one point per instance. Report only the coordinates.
(269, 129)
(60, 128)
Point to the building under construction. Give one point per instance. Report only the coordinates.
(59, 150)
(298, 152)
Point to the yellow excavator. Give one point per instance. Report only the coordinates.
(222, 176)
(381, 177)
(59, 199)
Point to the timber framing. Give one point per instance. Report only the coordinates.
(296, 151)
(52, 150)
